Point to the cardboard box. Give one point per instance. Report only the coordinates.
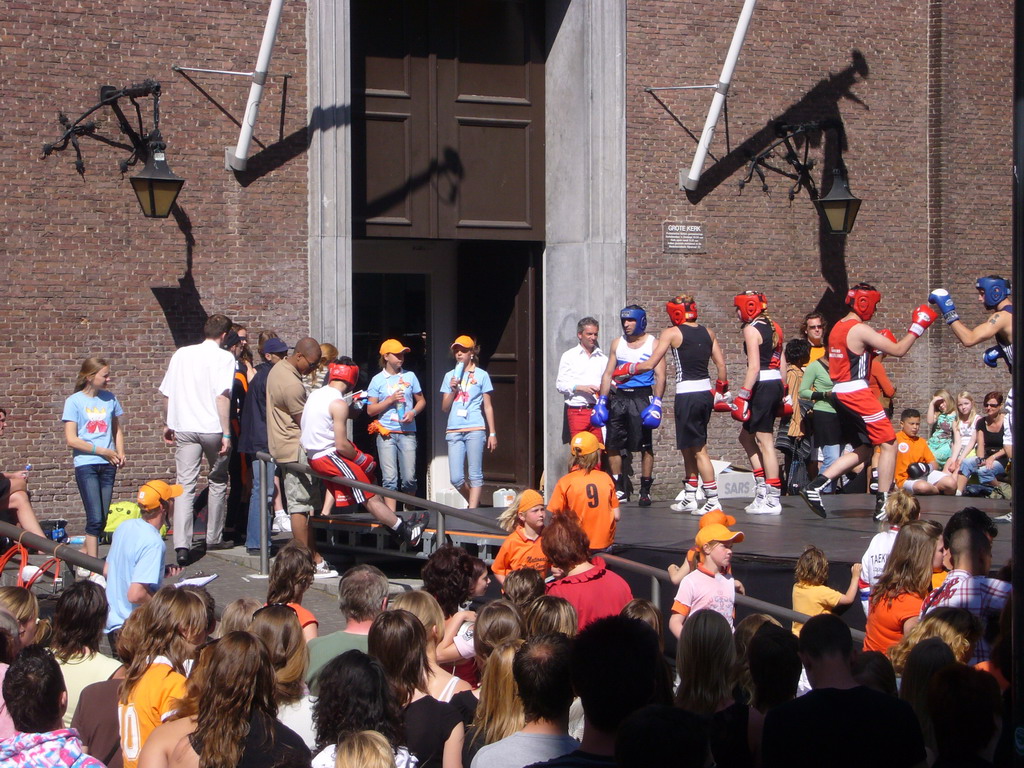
(733, 482)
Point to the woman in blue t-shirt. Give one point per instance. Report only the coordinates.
(467, 401)
(93, 432)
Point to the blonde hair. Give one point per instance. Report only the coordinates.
(423, 606)
(948, 403)
(956, 627)
(900, 508)
(237, 615)
(23, 605)
(744, 633)
(509, 517)
(649, 614)
(497, 622)
(706, 662)
(169, 626)
(908, 568)
(812, 567)
(90, 367)
(973, 415)
(550, 613)
(500, 711)
(328, 354)
(587, 462)
(279, 628)
(365, 749)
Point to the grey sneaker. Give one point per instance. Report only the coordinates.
(323, 570)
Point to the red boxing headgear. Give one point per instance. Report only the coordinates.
(681, 311)
(863, 300)
(347, 373)
(750, 304)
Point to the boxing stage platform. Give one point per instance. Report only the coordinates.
(657, 536)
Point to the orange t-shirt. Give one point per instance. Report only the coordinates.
(591, 496)
(885, 621)
(908, 451)
(519, 552)
(154, 696)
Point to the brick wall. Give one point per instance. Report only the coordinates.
(874, 66)
(84, 273)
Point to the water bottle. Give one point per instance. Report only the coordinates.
(458, 371)
(400, 405)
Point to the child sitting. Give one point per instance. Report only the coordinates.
(588, 493)
(811, 593)
(916, 469)
(710, 584)
(524, 517)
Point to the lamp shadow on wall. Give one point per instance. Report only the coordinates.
(821, 102)
(181, 304)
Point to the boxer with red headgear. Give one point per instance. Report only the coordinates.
(325, 440)
(692, 346)
(758, 400)
(633, 408)
(864, 422)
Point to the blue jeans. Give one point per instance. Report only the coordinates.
(252, 529)
(397, 454)
(463, 446)
(829, 453)
(96, 484)
(986, 476)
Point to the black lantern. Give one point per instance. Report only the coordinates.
(838, 208)
(156, 186)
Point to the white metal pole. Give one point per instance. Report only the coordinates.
(721, 91)
(238, 161)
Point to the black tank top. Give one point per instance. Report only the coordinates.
(691, 357)
(766, 350)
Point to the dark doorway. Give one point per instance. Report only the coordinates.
(499, 295)
(392, 306)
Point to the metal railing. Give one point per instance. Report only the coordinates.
(656, 575)
(56, 549)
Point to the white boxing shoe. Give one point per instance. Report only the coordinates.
(753, 507)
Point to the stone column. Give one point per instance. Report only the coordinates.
(584, 268)
(330, 198)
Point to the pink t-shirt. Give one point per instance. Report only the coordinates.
(703, 589)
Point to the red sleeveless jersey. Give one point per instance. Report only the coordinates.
(844, 365)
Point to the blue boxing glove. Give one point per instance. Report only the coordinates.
(651, 415)
(993, 355)
(944, 302)
(600, 415)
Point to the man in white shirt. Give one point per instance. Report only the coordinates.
(579, 379)
(197, 386)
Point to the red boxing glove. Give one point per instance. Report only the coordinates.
(721, 394)
(624, 371)
(922, 317)
(785, 407)
(740, 406)
(366, 463)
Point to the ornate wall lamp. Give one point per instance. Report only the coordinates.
(155, 186)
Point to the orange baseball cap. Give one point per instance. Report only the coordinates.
(584, 443)
(393, 347)
(466, 342)
(717, 516)
(716, 532)
(154, 492)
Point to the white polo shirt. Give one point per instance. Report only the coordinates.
(194, 378)
(577, 367)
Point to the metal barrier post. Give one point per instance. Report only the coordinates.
(264, 522)
(656, 591)
(440, 530)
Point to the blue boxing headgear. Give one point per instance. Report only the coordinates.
(994, 289)
(635, 312)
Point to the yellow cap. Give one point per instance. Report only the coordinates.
(393, 347)
(529, 500)
(584, 443)
(156, 491)
(466, 342)
(717, 532)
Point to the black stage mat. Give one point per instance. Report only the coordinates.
(843, 536)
